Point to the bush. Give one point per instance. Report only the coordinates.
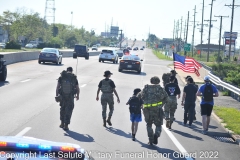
(13, 45)
(50, 45)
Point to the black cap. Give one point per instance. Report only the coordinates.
(171, 78)
(188, 77)
(190, 80)
(70, 69)
(107, 73)
(136, 91)
(173, 71)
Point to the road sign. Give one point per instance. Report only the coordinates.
(187, 47)
(234, 35)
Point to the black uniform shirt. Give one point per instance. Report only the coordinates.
(176, 81)
(172, 89)
(111, 83)
(190, 91)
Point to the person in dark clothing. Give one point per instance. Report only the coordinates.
(188, 101)
(170, 107)
(135, 106)
(173, 73)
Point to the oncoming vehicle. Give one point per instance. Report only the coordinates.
(130, 62)
(29, 45)
(50, 55)
(120, 53)
(94, 47)
(108, 55)
(2, 45)
(14, 147)
(81, 51)
(3, 68)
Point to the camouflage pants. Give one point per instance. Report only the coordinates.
(153, 115)
(107, 98)
(170, 108)
(67, 105)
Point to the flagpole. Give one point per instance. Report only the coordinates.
(173, 61)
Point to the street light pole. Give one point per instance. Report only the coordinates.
(71, 19)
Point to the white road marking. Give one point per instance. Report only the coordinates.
(176, 142)
(26, 80)
(83, 85)
(23, 132)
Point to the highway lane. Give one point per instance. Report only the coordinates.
(31, 104)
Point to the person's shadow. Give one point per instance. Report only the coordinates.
(119, 132)
(187, 135)
(156, 152)
(79, 137)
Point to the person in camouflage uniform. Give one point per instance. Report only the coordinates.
(67, 98)
(107, 87)
(154, 96)
(170, 107)
(166, 76)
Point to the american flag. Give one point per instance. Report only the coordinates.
(186, 64)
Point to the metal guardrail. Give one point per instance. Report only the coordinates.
(216, 80)
(205, 66)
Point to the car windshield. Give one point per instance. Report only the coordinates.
(49, 50)
(107, 51)
(80, 47)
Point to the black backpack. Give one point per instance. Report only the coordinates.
(135, 106)
(208, 93)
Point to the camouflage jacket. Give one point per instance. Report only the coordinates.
(153, 94)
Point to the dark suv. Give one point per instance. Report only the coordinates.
(81, 51)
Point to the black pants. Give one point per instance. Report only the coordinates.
(189, 112)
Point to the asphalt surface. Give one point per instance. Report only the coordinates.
(27, 103)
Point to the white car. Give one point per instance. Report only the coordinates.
(108, 55)
(94, 47)
(29, 45)
(2, 45)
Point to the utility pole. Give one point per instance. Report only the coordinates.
(120, 38)
(209, 33)
(185, 52)
(220, 33)
(173, 30)
(202, 29)
(193, 30)
(71, 20)
(230, 43)
(181, 30)
(184, 32)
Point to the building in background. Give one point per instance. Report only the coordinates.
(3, 35)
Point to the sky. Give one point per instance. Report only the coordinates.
(135, 17)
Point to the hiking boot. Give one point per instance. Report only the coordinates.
(194, 118)
(155, 141)
(61, 125)
(133, 137)
(104, 123)
(150, 143)
(66, 127)
(167, 123)
(109, 121)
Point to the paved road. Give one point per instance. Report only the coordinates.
(27, 100)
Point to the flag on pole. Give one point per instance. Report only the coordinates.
(186, 64)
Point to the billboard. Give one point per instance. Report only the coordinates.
(234, 35)
(114, 31)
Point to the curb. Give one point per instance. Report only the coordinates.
(219, 120)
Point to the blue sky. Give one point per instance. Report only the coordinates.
(135, 17)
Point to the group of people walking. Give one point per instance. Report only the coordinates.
(154, 101)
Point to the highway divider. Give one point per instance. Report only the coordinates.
(27, 56)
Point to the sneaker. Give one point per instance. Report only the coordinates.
(204, 132)
(133, 137)
(184, 124)
(150, 143)
(190, 126)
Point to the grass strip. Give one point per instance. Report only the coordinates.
(161, 56)
(230, 116)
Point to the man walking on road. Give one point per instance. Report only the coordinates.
(188, 101)
(154, 96)
(207, 91)
(173, 73)
(170, 107)
(67, 89)
(107, 87)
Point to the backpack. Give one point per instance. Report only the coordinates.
(134, 105)
(153, 94)
(208, 93)
(165, 78)
(68, 83)
(106, 87)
